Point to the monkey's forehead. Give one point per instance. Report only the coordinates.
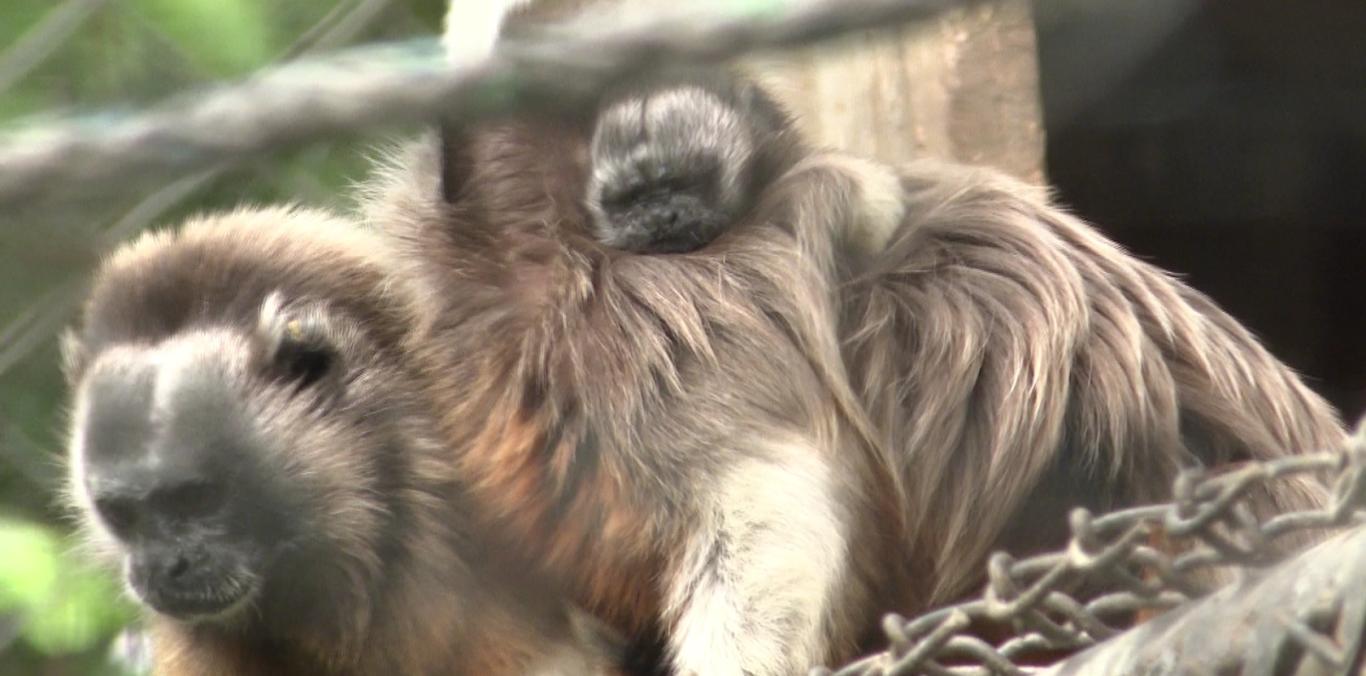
(218, 272)
(227, 263)
(190, 379)
(263, 230)
(221, 348)
(684, 117)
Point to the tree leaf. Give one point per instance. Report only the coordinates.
(65, 606)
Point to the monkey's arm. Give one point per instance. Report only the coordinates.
(768, 585)
(761, 579)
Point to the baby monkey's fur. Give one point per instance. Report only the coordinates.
(672, 167)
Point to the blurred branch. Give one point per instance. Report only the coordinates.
(1309, 610)
(11, 624)
(368, 88)
(25, 332)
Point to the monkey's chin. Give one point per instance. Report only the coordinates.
(680, 224)
(217, 603)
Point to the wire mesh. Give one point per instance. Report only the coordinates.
(1210, 526)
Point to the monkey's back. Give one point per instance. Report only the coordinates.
(1025, 362)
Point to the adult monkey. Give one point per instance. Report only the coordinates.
(247, 449)
(681, 440)
(675, 165)
(670, 437)
(895, 364)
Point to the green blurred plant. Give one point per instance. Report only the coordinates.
(61, 605)
(57, 615)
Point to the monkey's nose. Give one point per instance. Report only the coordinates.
(179, 565)
(166, 567)
(182, 582)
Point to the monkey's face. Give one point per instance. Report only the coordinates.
(668, 170)
(220, 464)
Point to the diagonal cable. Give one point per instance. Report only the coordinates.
(31, 328)
(305, 102)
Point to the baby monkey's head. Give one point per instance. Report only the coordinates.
(678, 159)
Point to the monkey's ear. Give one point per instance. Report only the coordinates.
(74, 355)
(457, 161)
(300, 344)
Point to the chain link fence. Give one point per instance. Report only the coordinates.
(71, 188)
(1267, 619)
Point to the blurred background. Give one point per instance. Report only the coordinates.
(1224, 140)
(56, 616)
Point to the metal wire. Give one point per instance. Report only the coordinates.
(41, 321)
(1209, 522)
(308, 101)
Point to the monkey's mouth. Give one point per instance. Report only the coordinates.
(649, 236)
(683, 243)
(200, 600)
(668, 224)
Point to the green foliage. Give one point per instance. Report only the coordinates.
(195, 25)
(64, 606)
(125, 55)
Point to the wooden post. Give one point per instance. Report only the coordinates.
(965, 87)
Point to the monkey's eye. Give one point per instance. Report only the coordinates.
(623, 195)
(298, 346)
(303, 356)
(304, 364)
(118, 513)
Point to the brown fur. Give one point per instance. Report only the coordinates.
(1005, 348)
(997, 363)
(399, 580)
(605, 354)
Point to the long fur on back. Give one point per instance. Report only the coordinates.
(596, 398)
(1014, 357)
(957, 359)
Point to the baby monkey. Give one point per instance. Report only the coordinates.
(676, 159)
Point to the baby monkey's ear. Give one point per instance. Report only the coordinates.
(300, 343)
